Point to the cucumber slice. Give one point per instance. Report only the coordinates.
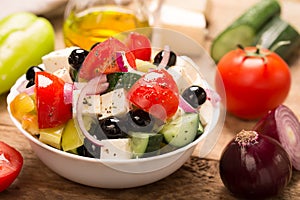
(145, 144)
(244, 29)
(71, 137)
(121, 80)
(200, 129)
(279, 30)
(182, 130)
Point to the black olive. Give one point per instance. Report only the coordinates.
(30, 73)
(194, 95)
(77, 57)
(111, 128)
(30, 83)
(139, 120)
(88, 150)
(159, 56)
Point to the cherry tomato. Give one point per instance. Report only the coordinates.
(156, 93)
(51, 108)
(11, 162)
(255, 81)
(139, 45)
(102, 59)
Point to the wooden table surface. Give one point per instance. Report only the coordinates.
(197, 179)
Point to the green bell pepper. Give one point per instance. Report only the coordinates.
(24, 39)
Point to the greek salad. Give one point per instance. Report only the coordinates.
(117, 100)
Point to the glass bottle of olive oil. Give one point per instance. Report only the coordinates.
(95, 24)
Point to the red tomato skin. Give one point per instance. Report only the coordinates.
(252, 87)
(139, 45)
(11, 163)
(51, 109)
(156, 93)
(102, 59)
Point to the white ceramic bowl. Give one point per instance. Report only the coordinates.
(133, 172)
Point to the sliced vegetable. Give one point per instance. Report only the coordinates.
(72, 138)
(283, 125)
(121, 80)
(51, 107)
(145, 144)
(139, 45)
(30, 123)
(245, 28)
(52, 136)
(277, 31)
(102, 59)
(21, 105)
(182, 130)
(157, 93)
(194, 95)
(255, 166)
(144, 66)
(11, 162)
(186, 107)
(171, 58)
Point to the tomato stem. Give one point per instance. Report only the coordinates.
(257, 53)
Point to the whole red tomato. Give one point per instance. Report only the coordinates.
(255, 81)
(11, 162)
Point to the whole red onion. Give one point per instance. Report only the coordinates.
(255, 166)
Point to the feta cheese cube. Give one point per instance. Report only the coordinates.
(57, 59)
(63, 74)
(91, 104)
(114, 103)
(115, 149)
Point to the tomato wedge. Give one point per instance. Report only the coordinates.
(139, 45)
(51, 108)
(11, 162)
(156, 92)
(102, 59)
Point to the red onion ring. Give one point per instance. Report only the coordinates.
(213, 96)
(95, 86)
(120, 57)
(68, 93)
(165, 59)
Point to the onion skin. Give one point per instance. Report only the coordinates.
(282, 125)
(259, 168)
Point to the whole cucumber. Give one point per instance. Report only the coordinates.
(244, 29)
(24, 39)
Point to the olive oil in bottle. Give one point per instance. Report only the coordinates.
(86, 28)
